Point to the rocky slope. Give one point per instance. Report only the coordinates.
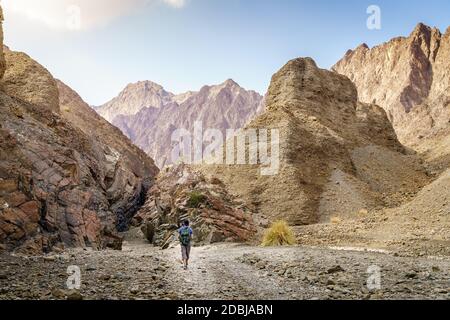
(61, 184)
(129, 171)
(408, 77)
(148, 115)
(337, 156)
(420, 226)
(26, 80)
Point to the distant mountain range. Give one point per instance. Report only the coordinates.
(148, 114)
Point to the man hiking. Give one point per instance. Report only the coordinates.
(185, 235)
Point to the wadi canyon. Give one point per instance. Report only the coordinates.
(363, 179)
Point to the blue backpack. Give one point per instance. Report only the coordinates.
(185, 236)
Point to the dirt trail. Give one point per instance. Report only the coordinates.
(216, 273)
(225, 271)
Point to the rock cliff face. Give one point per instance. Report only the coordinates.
(49, 192)
(408, 77)
(148, 115)
(337, 156)
(128, 171)
(67, 177)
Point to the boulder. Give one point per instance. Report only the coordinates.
(148, 229)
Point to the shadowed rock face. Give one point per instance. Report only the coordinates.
(337, 155)
(67, 178)
(408, 77)
(128, 171)
(149, 115)
(51, 188)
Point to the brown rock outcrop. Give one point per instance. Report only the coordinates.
(408, 77)
(181, 193)
(337, 155)
(49, 188)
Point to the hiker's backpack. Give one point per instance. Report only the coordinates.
(185, 236)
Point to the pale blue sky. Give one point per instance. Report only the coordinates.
(184, 47)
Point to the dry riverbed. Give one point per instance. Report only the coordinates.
(226, 271)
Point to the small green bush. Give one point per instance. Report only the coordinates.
(196, 199)
(279, 234)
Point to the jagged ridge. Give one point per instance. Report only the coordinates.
(408, 77)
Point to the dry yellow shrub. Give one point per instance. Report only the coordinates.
(279, 234)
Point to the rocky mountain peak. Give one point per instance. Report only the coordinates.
(222, 106)
(230, 83)
(144, 86)
(423, 29)
(227, 88)
(428, 39)
(327, 139)
(363, 47)
(406, 77)
(301, 81)
(136, 96)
